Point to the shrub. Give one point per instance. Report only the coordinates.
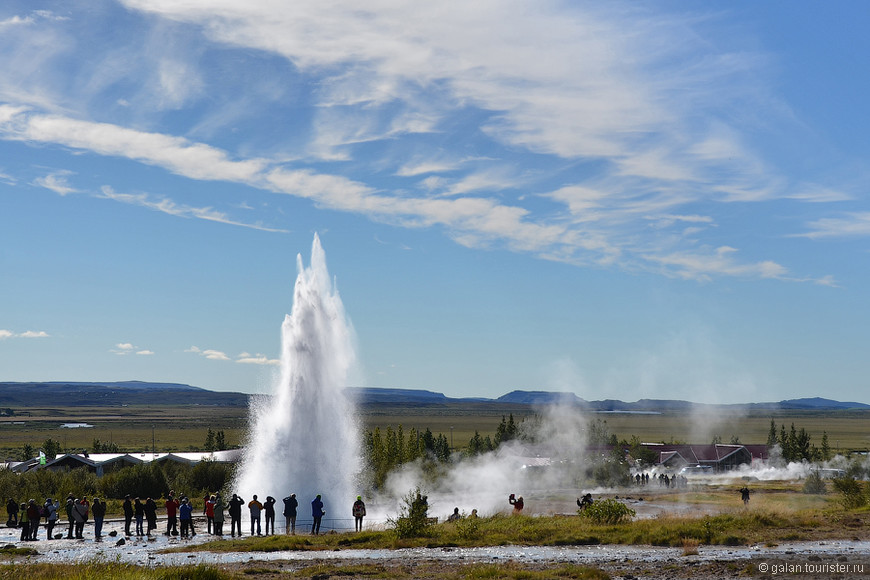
(468, 528)
(852, 491)
(145, 480)
(608, 511)
(211, 476)
(815, 484)
(413, 520)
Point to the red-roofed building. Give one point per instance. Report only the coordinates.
(719, 457)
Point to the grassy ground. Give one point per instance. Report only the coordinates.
(183, 428)
(778, 512)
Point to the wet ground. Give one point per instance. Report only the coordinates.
(621, 561)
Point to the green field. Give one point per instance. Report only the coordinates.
(183, 428)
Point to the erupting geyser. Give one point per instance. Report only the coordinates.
(303, 439)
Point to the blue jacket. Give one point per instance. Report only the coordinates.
(317, 508)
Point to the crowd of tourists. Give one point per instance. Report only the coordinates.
(140, 517)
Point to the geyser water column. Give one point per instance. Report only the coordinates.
(303, 439)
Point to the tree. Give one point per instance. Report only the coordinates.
(826, 448)
(771, 435)
(220, 441)
(51, 448)
(599, 433)
(717, 439)
(209, 441)
(27, 452)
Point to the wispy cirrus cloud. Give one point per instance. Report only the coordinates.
(56, 182)
(847, 225)
(642, 128)
(169, 207)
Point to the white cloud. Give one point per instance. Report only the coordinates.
(176, 154)
(145, 352)
(56, 182)
(703, 266)
(167, 206)
(256, 359)
(647, 111)
(208, 353)
(34, 334)
(7, 334)
(855, 224)
(123, 348)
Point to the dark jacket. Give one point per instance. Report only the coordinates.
(290, 505)
(99, 510)
(269, 506)
(235, 504)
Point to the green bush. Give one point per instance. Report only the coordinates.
(852, 492)
(814, 484)
(468, 528)
(210, 476)
(144, 480)
(413, 520)
(608, 511)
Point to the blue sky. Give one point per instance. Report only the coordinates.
(623, 200)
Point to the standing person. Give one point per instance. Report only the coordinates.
(235, 509)
(172, 514)
(219, 508)
(517, 502)
(99, 511)
(139, 512)
(12, 512)
(269, 508)
(24, 522)
(150, 515)
(317, 512)
(359, 511)
(51, 508)
(744, 495)
(70, 503)
(185, 514)
(33, 515)
(290, 505)
(209, 515)
(255, 507)
(190, 501)
(80, 514)
(128, 514)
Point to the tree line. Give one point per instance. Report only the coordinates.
(795, 445)
(388, 449)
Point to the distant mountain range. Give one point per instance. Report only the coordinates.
(112, 394)
(81, 394)
(376, 396)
